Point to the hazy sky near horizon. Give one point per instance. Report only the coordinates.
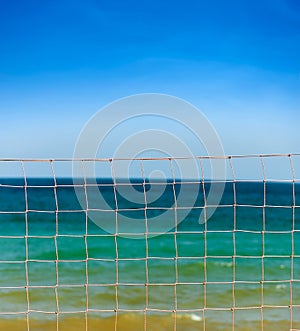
(237, 61)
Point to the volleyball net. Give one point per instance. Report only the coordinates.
(150, 252)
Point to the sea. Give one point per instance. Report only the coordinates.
(130, 255)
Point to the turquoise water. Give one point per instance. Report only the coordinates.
(246, 256)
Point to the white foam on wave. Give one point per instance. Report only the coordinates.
(225, 264)
(195, 317)
(192, 317)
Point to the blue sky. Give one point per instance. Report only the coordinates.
(237, 61)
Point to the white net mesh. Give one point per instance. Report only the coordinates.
(69, 262)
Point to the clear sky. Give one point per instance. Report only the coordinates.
(237, 61)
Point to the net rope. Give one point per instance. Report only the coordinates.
(88, 258)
